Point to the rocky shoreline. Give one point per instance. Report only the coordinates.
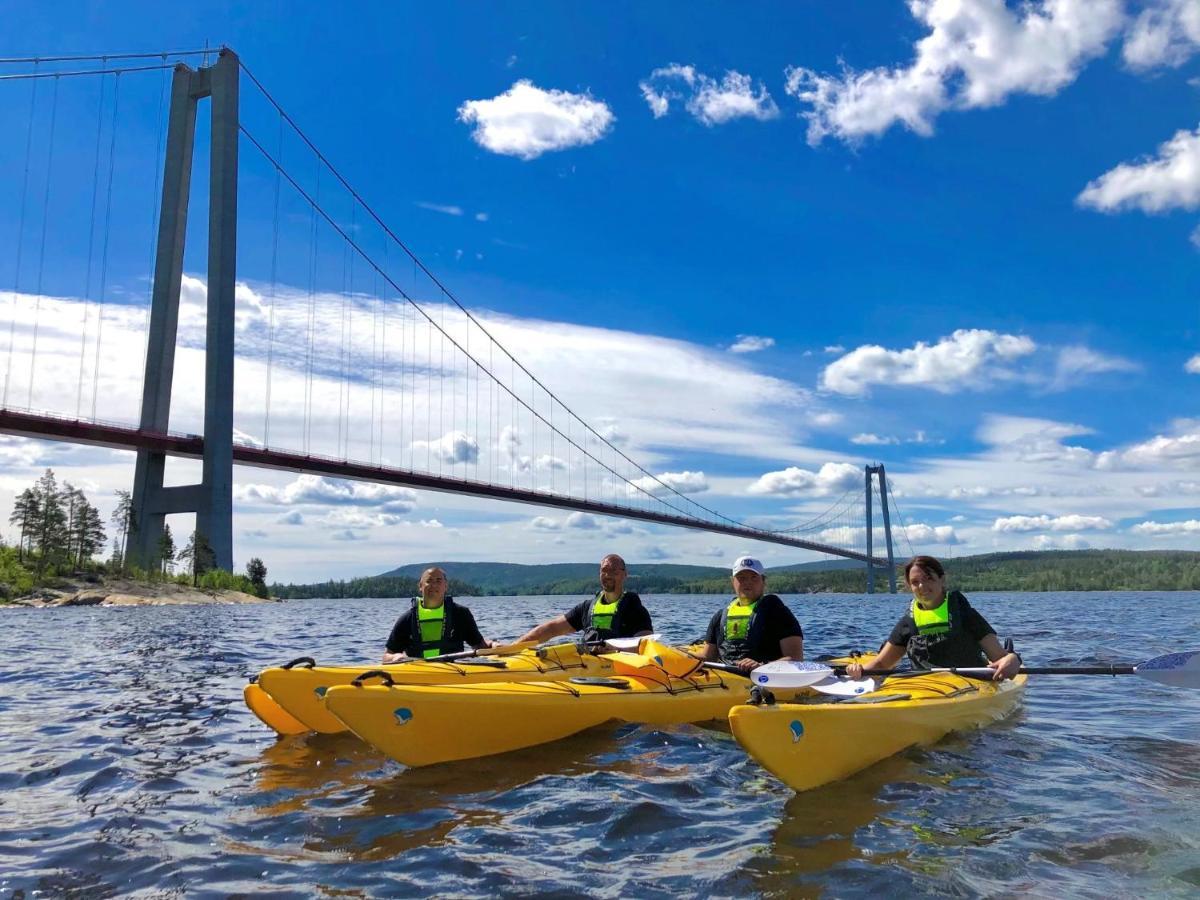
(125, 592)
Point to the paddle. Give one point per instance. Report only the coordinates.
(1174, 669)
(502, 650)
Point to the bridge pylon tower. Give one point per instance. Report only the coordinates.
(212, 499)
(878, 472)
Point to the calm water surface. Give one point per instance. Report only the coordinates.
(129, 764)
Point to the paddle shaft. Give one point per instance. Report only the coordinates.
(505, 650)
(1024, 670)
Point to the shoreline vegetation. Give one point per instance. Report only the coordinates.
(54, 561)
(1034, 570)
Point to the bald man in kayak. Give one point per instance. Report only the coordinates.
(434, 625)
(756, 627)
(613, 613)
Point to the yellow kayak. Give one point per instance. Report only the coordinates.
(420, 726)
(300, 690)
(811, 744)
(270, 712)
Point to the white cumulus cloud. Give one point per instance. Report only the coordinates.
(831, 478)
(919, 533)
(969, 358)
(873, 440)
(317, 490)
(749, 343)
(582, 521)
(1051, 523)
(452, 447)
(976, 54)
(665, 482)
(527, 121)
(1167, 529)
(1165, 33)
(711, 102)
(1171, 180)
(1192, 366)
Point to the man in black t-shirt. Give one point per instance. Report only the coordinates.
(612, 613)
(755, 627)
(433, 625)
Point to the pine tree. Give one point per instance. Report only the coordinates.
(51, 526)
(27, 509)
(90, 536)
(256, 571)
(166, 550)
(124, 520)
(199, 556)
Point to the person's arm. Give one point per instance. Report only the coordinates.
(792, 648)
(397, 642)
(642, 620)
(1003, 662)
(711, 637)
(552, 629)
(886, 658)
(709, 652)
(470, 631)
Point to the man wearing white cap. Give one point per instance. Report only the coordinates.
(754, 628)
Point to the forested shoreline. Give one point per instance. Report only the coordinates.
(1046, 570)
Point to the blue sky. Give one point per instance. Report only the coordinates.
(964, 233)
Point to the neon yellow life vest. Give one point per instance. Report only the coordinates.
(433, 624)
(602, 613)
(737, 619)
(932, 621)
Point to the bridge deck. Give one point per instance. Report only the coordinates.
(191, 446)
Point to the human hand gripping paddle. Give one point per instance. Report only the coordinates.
(1173, 669)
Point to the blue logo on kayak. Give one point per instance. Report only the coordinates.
(403, 715)
(797, 731)
(762, 679)
(320, 692)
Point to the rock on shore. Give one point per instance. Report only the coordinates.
(124, 592)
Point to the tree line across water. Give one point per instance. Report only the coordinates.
(1040, 570)
(60, 533)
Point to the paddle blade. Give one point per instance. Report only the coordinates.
(788, 673)
(631, 643)
(1175, 669)
(845, 687)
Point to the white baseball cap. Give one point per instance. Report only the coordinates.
(748, 563)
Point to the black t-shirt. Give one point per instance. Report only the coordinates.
(632, 617)
(465, 631)
(773, 622)
(969, 622)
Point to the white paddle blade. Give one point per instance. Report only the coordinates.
(1175, 669)
(844, 687)
(788, 673)
(631, 643)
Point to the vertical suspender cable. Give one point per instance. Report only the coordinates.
(20, 241)
(37, 309)
(112, 155)
(271, 304)
(87, 285)
(313, 248)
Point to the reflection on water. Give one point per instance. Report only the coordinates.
(135, 767)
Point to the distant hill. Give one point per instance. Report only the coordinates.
(1045, 570)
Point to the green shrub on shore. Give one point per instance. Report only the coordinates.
(220, 580)
(15, 579)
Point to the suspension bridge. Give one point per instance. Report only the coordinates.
(345, 357)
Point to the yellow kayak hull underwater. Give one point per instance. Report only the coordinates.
(808, 745)
(421, 726)
(301, 691)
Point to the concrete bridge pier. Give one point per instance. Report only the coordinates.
(212, 499)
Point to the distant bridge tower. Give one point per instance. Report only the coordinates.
(212, 499)
(877, 472)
